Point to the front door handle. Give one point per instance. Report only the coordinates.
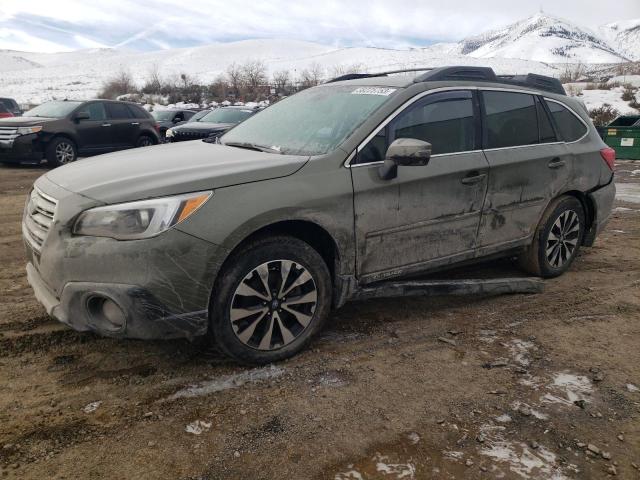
(106, 125)
(473, 178)
(556, 163)
(135, 123)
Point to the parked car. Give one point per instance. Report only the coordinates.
(213, 124)
(4, 113)
(321, 198)
(171, 117)
(12, 106)
(59, 131)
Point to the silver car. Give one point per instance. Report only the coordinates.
(254, 239)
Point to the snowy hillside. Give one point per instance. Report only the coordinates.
(80, 74)
(545, 39)
(540, 44)
(625, 35)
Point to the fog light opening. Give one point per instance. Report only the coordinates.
(106, 313)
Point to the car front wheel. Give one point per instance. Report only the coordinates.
(61, 151)
(270, 301)
(557, 239)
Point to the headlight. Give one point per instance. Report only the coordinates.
(28, 130)
(169, 132)
(141, 219)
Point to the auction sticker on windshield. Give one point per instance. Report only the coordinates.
(373, 91)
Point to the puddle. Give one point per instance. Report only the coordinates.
(227, 382)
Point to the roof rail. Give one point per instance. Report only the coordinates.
(475, 74)
(533, 80)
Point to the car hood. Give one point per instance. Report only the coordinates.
(25, 121)
(170, 169)
(198, 126)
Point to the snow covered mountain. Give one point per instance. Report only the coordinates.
(539, 44)
(543, 38)
(625, 35)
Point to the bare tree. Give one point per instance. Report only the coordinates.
(254, 73)
(311, 76)
(339, 70)
(282, 81)
(153, 83)
(218, 89)
(235, 78)
(121, 84)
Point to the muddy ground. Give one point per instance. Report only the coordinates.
(521, 386)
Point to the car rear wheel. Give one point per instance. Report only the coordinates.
(557, 239)
(144, 141)
(270, 301)
(61, 151)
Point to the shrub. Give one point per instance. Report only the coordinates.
(121, 84)
(603, 115)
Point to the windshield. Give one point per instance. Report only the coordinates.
(163, 115)
(227, 115)
(198, 116)
(53, 109)
(312, 122)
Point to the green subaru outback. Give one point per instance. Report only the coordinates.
(254, 239)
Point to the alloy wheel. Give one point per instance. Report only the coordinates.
(64, 153)
(562, 240)
(145, 142)
(273, 304)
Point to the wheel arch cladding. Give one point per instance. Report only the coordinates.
(309, 232)
(587, 206)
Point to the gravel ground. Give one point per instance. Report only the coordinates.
(521, 386)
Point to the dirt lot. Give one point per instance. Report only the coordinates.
(393, 389)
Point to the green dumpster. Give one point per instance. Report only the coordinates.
(623, 135)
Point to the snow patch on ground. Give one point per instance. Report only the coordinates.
(91, 407)
(197, 427)
(568, 388)
(628, 192)
(228, 382)
(524, 462)
(395, 470)
(596, 98)
(519, 350)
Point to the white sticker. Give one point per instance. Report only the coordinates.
(626, 142)
(373, 91)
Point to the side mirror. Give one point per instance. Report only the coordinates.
(406, 152)
(82, 116)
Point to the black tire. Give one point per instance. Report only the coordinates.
(144, 141)
(547, 257)
(279, 254)
(61, 151)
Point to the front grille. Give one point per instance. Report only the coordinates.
(8, 134)
(38, 218)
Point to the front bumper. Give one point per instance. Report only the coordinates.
(162, 284)
(145, 317)
(24, 149)
(602, 200)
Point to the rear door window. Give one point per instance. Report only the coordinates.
(568, 125)
(118, 111)
(511, 119)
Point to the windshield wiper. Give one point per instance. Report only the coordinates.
(253, 146)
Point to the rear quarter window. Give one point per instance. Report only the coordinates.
(137, 112)
(568, 125)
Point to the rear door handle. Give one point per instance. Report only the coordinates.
(556, 163)
(135, 123)
(473, 178)
(106, 124)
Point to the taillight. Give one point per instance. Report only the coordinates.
(6, 114)
(609, 156)
(157, 127)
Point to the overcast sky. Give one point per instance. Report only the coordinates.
(57, 25)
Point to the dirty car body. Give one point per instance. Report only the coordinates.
(415, 175)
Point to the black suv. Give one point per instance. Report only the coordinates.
(170, 118)
(59, 131)
(11, 105)
(214, 124)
